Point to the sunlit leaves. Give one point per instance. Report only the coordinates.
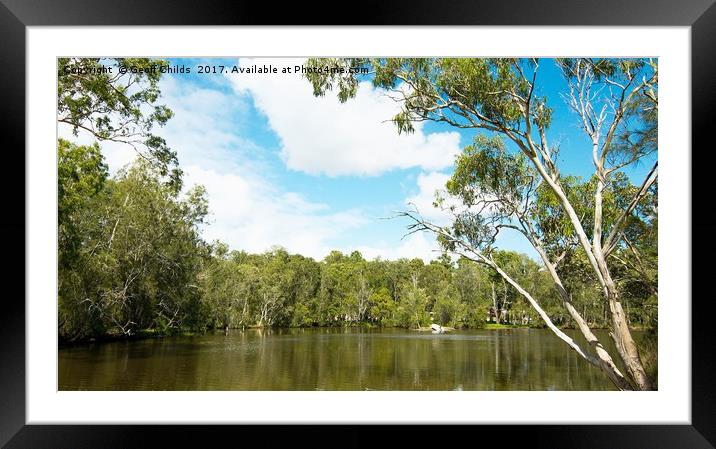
(136, 259)
(485, 171)
(81, 175)
(327, 74)
(466, 92)
(118, 107)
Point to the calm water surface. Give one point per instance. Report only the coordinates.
(334, 359)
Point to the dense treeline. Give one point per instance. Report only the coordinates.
(129, 248)
(131, 259)
(281, 289)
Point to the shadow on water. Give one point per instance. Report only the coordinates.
(333, 359)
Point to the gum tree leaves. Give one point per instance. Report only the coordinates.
(95, 95)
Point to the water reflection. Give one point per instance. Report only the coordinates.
(333, 359)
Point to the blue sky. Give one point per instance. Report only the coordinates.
(282, 167)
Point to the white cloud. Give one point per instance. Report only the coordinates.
(253, 215)
(247, 210)
(428, 185)
(420, 245)
(322, 136)
(204, 130)
(116, 155)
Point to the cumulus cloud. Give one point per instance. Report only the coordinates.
(323, 136)
(251, 214)
(204, 129)
(419, 245)
(248, 210)
(428, 185)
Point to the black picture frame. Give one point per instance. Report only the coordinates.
(16, 15)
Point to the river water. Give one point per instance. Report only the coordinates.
(334, 359)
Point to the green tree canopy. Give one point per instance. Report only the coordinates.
(118, 107)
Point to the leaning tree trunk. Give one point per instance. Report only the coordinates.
(602, 359)
(621, 335)
(626, 346)
(605, 362)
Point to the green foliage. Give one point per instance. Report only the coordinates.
(487, 169)
(118, 107)
(452, 90)
(383, 307)
(411, 309)
(448, 310)
(227, 290)
(128, 247)
(141, 265)
(135, 258)
(81, 175)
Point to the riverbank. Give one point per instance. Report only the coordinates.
(140, 335)
(154, 333)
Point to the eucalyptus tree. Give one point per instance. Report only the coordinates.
(474, 290)
(447, 308)
(137, 259)
(382, 308)
(615, 103)
(228, 290)
(81, 174)
(117, 100)
(434, 278)
(277, 278)
(411, 310)
(303, 290)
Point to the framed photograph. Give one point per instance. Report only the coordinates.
(416, 216)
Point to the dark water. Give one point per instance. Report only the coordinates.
(334, 359)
